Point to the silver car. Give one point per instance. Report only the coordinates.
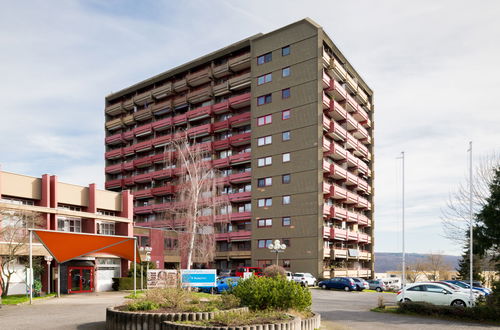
(377, 285)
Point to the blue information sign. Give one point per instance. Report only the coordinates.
(198, 277)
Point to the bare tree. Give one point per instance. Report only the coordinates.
(192, 213)
(415, 271)
(14, 237)
(455, 217)
(435, 266)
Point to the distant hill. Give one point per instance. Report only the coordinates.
(387, 261)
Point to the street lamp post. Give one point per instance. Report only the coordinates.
(48, 259)
(277, 247)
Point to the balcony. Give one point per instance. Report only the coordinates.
(364, 238)
(240, 158)
(143, 130)
(326, 80)
(240, 177)
(240, 101)
(180, 85)
(201, 130)
(240, 120)
(338, 253)
(161, 141)
(199, 113)
(240, 139)
(200, 94)
(146, 177)
(221, 89)
(160, 158)
(326, 232)
(144, 193)
(161, 124)
(142, 146)
(128, 182)
(338, 212)
(117, 183)
(352, 217)
(352, 198)
(127, 151)
(205, 147)
(221, 144)
(240, 216)
(240, 197)
(128, 166)
(338, 233)
(337, 192)
(143, 114)
(162, 107)
(221, 107)
(221, 163)
(143, 98)
(114, 124)
(326, 188)
(128, 135)
(240, 62)
(129, 119)
(363, 220)
(337, 91)
(114, 109)
(143, 209)
(240, 81)
(337, 172)
(113, 154)
(221, 70)
(351, 84)
(162, 191)
(361, 116)
(365, 255)
(162, 174)
(179, 101)
(221, 236)
(233, 254)
(143, 162)
(114, 139)
(162, 91)
(199, 77)
(352, 180)
(128, 104)
(180, 119)
(114, 169)
(352, 236)
(221, 126)
(337, 69)
(241, 235)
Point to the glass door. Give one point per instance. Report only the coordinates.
(80, 279)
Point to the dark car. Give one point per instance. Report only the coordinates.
(342, 283)
(361, 283)
(223, 284)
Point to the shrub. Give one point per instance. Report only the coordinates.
(142, 305)
(274, 271)
(274, 293)
(125, 283)
(476, 313)
(228, 301)
(494, 298)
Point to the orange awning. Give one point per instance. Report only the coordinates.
(64, 246)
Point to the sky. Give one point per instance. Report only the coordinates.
(433, 65)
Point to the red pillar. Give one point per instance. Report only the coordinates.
(123, 228)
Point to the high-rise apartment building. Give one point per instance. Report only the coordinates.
(288, 121)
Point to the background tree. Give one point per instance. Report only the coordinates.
(435, 266)
(192, 212)
(487, 229)
(14, 238)
(415, 271)
(464, 264)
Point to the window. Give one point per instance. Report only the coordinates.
(170, 243)
(285, 178)
(287, 199)
(264, 120)
(286, 263)
(285, 51)
(265, 161)
(142, 240)
(265, 202)
(265, 140)
(264, 182)
(264, 79)
(286, 157)
(285, 72)
(285, 114)
(286, 221)
(265, 58)
(264, 263)
(265, 223)
(286, 241)
(73, 225)
(285, 93)
(285, 136)
(264, 99)
(264, 243)
(106, 228)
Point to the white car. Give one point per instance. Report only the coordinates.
(434, 293)
(289, 276)
(305, 279)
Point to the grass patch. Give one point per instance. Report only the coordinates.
(386, 309)
(234, 319)
(21, 298)
(138, 294)
(377, 291)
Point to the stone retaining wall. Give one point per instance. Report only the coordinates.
(123, 320)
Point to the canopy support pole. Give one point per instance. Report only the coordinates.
(135, 265)
(58, 280)
(30, 274)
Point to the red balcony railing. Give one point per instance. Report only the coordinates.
(180, 119)
(221, 126)
(142, 162)
(240, 101)
(143, 209)
(113, 183)
(128, 135)
(143, 130)
(240, 158)
(240, 235)
(221, 144)
(143, 177)
(240, 139)
(127, 151)
(142, 193)
(117, 153)
(162, 174)
(161, 141)
(128, 181)
(337, 192)
(240, 216)
(162, 124)
(114, 168)
(221, 107)
(161, 191)
(338, 233)
(128, 166)
(240, 197)
(199, 113)
(142, 146)
(240, 119)
(200, 130)
(114, 139)
(221, 163)
(240, 177)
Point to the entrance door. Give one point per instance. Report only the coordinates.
(80, 279)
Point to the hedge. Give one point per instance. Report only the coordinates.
(125, 283)
(476, 313)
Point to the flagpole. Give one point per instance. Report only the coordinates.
(403, 221)
(471, 295)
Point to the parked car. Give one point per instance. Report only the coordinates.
(361, 283)
(377, 285)
(434, 293)
(222, 284)
(242, 270)
(305, 279)
(477, 284)
(289, 276)
(457, 288)
(342, 283)
(464, 285)
(224, 272)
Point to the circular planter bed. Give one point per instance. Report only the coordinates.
(122, 320)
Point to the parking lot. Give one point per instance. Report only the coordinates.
(351, 310)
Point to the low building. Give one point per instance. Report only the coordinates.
(64, 207)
